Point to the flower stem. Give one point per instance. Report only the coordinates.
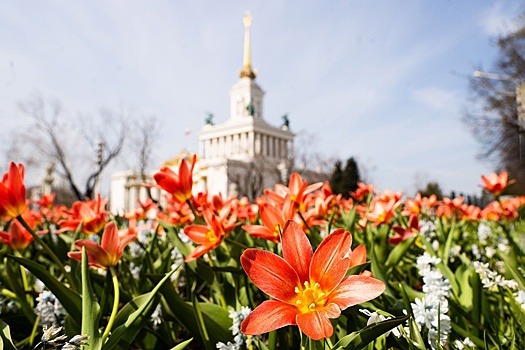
(192, 207)
(234, 242)
(116, 298)
(304, 221)
(25, 283)
(48, 250)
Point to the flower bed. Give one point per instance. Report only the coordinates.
(300, 267)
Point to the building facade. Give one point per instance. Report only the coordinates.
(240, 156)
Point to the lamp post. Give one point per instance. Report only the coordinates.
(520, 97)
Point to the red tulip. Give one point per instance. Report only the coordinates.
(92, 215)
(110, 250)
(495, 183)
(17, 238)
(179, 185)
(12, 192)
(273, 221)
(307, 288)
(211, 235)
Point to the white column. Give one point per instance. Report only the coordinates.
(251, 144)
(258, 144)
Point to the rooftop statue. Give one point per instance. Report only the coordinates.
(209, 119)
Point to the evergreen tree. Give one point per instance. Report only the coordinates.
(344, 181)
(433, 188)
(337, 177)
(350, 177)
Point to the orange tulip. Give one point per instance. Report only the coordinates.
(110, 250)
(13, 192)
(209, 236)
(362, 192)
(273, 221)
(296, 191)
(178, 185)
(307, 288)
(92, 215)
(495, 183)
(381, 212)
(17, 238)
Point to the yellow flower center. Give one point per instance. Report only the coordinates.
(276, 231)
(309, 297)
(212, 237)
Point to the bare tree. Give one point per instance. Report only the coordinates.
(79, 148)
(494, 116)
(248, 177)
(143, 137)
(306, 161)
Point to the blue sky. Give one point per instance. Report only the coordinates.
(383, 81)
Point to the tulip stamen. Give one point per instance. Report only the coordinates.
(310, 297)
(212, 237)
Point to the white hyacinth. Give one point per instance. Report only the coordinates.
(431, 310)
(465, 344)
(427, 228)
(490, 279)
(484, 233)
(156, 317)
(520, 298)
(239, 339)
(49, 309)
(177, 263)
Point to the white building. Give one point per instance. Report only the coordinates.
(241, 156)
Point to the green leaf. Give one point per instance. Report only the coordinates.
(182, 345)
(415, 336)
(6, 342)
(90, 307)
(200, 323)
(70, 300)
(360, 339)
(399, 251)
(214, 317)
(128, 330)
(356, 270)
(463, 274)
(452, 233)
(518, 277)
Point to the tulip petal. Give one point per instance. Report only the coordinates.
(260, 232)
(269, 316)
(297, 249)
(110, 239)
(271, 273)
(271, 216)
(198, 233)
(96, 254)
(200, 251)
(358, 256)
(166, 179)
(185, 178)
(354, 290)
(331, 310)
(330, 261)
(315, 325)
(16, 183)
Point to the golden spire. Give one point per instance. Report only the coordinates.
(247, 70)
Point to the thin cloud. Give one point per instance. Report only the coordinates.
(437, 98)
